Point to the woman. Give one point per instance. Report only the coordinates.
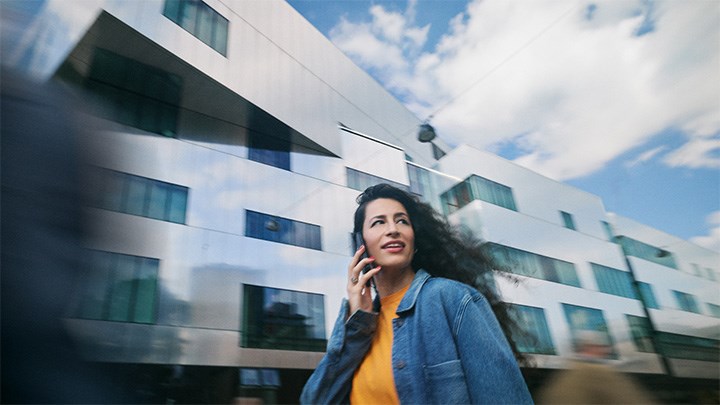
(425, 338)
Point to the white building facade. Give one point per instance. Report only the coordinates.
(237, 140)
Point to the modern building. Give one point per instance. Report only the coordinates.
(235, 139)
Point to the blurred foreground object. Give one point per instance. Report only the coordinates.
(590, 380)
(41, 239)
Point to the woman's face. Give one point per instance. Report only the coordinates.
(388, 234)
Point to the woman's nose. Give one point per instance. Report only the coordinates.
(392, 229)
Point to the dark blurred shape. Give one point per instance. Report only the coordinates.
(426, 133)
(41, 246)
(590, 380)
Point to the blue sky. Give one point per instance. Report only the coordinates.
(620, 98)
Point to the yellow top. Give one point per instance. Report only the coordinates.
(373, 382)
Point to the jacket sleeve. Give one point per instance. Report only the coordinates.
(331, 381)
(490, 368)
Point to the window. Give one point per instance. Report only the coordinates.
(437, 152)
(197, 18)
(533, 265)
(581, 319)
(120, 288)
(283, 319)
(686, 302)
(141, 196)
(270, 150)
(614, 281)
(713, 309)
(648, 297)
(710, 274)
(568, 220)
(282, 230)
(688, 347)
(534, 334)
(359, 181)
(477, 188)
(419, 180)
(632, 247)
(641, 333)
(135, 94)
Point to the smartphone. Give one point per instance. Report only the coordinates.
(357, 242)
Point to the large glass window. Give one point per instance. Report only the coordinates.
(688, 347)
(648, 296)
(686, 302)
(419, 180)
(135, 94)
(533, 265)
(135, 195)
(534, 336)
(120, 288)
(358, 180)
(283, 319)
(282, 230)
(197, 18)
(477, 188)
(270, 150)
(568, 220)
(632, 247)
(614, 281)
(714, 309)
(641, 333)
(581, 319)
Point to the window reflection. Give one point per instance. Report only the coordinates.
(359, 181)
(119, 287)
(533, 265)
(135, 94)
(282, 230)
(200, 20)
(283, 319)
(582, 319)
(534, 336)
(477, 188)
(136, 195)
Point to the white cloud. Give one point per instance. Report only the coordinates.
(712, 239)
(645, 156)
(581, 91)
(697, 153)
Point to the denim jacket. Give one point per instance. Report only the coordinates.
(447, 348)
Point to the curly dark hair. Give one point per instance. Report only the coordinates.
(444, 251)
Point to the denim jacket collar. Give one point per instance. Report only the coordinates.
(410, 298)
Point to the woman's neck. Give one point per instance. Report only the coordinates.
(391, 281)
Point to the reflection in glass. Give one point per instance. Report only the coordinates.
(534, 336)
(587, 319)
(119, 287)
(477, 188)
(282, 230)
(614, 281)
(135, 94)
(686, 302)
(136, 195)
(632, 247)
(200, 20)
(283, 319)
(359, 181)
(641, 333)
(533, 265)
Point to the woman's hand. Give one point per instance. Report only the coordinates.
(359, 295)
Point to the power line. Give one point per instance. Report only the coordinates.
(503, 62)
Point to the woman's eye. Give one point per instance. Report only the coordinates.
(403, 221)
(375, 223)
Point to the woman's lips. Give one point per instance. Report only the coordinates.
(394, 247)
